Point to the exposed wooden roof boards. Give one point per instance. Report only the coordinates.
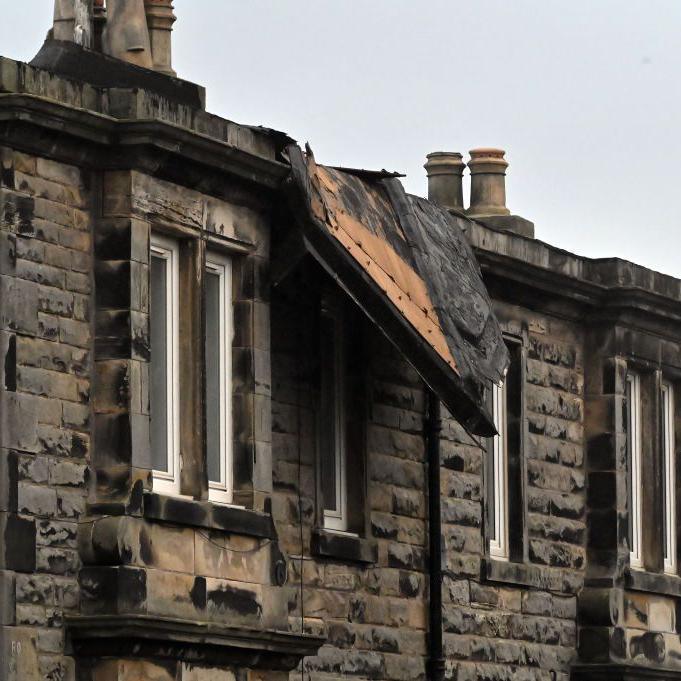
(409, 266)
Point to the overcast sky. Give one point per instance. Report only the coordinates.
(583, 94)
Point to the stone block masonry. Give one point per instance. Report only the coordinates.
(102, 578)
(45, 333)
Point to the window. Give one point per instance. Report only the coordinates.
(218, 352)
(497, 500)
(669, 472)
(505, 505)
(635, 469)
(333, 453)
(164, 369)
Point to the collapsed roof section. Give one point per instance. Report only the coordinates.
(408, 265)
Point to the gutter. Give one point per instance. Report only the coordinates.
(436, 660)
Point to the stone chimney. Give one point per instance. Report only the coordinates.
(488, 193)
(488, 183)
(445, 179)
(72, 22)
(160, 19)
(126, 34)
(134, 31)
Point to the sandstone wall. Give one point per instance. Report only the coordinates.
(46, 315)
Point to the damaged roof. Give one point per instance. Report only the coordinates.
(407, 263)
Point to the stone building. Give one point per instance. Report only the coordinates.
(228, 370)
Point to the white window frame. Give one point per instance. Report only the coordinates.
(222, 491)
(499, 546)
(337, 519)
(636, 473)
(669, 451)
(168, 249)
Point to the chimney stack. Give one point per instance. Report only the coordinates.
(488, 183)
(135, 31)
(488, 193)
(445, 176)
(160, 19)
(488, 188)
(70, 19)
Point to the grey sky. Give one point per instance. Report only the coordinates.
(583, 94)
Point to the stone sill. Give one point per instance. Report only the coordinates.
(622, 672)
(652, 582)
(520, 574)
(208, 515)
(191, 513)
(176, 639)
(344, 547)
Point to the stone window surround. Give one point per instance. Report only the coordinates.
(127, 488)
(515, 569)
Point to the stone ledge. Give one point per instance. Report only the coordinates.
(652, 582)
(208, 515)
(344, 547)
(622, 672)
(166, 638)
(521, 574)
(192, 513)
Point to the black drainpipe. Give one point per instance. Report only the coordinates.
(436, 662)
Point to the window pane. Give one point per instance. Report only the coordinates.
(669, 486)
(492, 471)
(633, 395)
(213, 374)
(630, 462)
(665, 468)
(159, 363)
(329, 409)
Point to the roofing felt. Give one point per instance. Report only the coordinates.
(417, 258)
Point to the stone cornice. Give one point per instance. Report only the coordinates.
(68, 134)
(609, 287)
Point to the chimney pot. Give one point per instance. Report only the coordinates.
(445, 175)
(488, 183)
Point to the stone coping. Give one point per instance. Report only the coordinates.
(585, 279)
